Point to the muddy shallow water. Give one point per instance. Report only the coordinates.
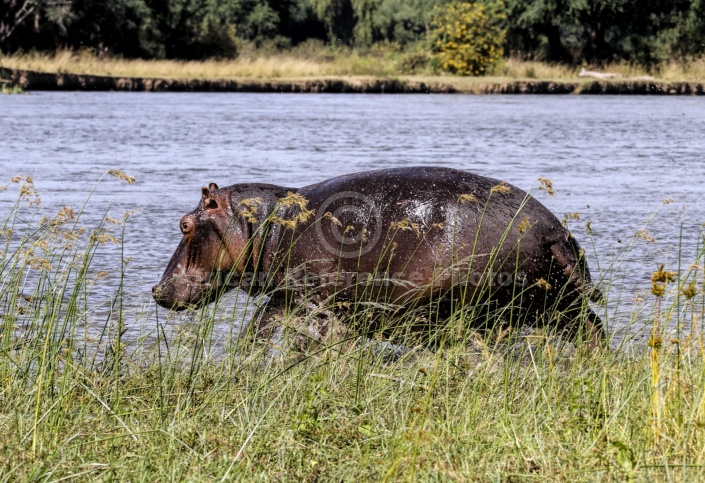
(613, 160)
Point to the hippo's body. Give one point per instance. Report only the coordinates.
(403, 237)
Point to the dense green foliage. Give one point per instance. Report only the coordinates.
(606, 30)
(569, 31)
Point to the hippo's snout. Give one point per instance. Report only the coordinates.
(172, 294)
(177, 292)
(161, 298)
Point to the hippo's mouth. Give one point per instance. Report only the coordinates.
(178, 293)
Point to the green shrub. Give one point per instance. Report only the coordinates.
(467, 37)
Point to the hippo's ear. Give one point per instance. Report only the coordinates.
(213, 187)
(208, 201)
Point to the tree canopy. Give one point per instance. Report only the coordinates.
(568, 31)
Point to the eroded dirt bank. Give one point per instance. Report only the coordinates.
(41, 81)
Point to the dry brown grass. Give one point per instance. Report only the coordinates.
(530, 70)
(690, 70)
(322, 62)
(271, 66)
(677, 71)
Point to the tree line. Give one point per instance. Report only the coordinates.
(567, 31)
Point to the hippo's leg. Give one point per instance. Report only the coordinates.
(583, 324)
(264, 321)
(387, 351)
(266, 328)
(597, 336)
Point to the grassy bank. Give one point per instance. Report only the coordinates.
(314, 62)
(167, 406)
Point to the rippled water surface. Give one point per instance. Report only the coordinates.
(613, 160)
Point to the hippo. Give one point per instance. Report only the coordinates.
(403, 238)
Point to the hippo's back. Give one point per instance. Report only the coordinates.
(396, 183)
(423, 198)
(406, 191)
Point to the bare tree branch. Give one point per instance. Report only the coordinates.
(14, 12)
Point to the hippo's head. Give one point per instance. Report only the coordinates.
(213, 244)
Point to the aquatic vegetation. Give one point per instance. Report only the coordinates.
(188, 397)
(11, 89)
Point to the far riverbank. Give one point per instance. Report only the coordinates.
(30, 80)
(338, 71)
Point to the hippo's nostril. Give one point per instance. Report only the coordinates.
(155, 289)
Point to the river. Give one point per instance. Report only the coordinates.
(611, 159)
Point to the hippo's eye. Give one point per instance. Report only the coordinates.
(185, 226)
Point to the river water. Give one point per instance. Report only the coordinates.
(613, 160)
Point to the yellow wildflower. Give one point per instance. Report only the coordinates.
(500, 188)
(119, 174)
(546, 185)
(541, 282)
(645, 235)
(329, 216)
(467, 198)
(406, 224)
(524, 225)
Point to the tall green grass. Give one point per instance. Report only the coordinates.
(82, 403)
